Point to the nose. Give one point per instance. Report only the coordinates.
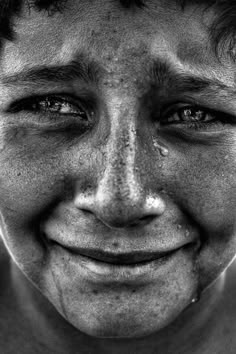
(122, 198)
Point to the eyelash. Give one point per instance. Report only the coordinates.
(32, 104)
(219, 119)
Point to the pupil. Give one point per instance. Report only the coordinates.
(193, 115)
(52, 105)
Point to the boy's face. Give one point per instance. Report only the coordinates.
(117, 158)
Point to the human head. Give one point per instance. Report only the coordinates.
(117, 170)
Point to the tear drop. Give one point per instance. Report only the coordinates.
(163, 150)
(195, 299)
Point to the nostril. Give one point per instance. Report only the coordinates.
(86, 211)
(142, 221)
(147, 217)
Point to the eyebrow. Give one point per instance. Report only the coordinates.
(161, 74)
(80, 69)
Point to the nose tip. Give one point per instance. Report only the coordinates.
(120, 213)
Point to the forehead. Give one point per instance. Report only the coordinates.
(111, 35)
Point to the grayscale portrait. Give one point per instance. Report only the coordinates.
(117, 176)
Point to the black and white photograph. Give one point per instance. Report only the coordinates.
(117, 176)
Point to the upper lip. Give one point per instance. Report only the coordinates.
(118, 258)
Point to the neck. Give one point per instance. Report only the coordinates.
(187, 334)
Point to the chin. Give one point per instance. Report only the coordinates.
(129, 329)
(126, 323)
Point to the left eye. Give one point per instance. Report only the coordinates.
(190, 115)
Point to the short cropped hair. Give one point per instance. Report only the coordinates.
(222, 32)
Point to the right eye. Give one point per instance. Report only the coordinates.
(54, 105)
(54, 110)
(59, 105)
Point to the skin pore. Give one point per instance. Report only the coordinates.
(117, 133)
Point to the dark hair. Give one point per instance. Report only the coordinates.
(222, 32)
(8, 8)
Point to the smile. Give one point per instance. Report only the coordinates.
(98, 265)
(128, 259)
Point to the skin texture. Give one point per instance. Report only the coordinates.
(125, 182)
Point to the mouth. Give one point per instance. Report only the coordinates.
(126, 259)
(132, 267)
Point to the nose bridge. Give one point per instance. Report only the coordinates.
(120, 180)
(121, 199)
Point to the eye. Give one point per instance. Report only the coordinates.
(195, 117)
(59, 113)
(55, 105)
(191, 115)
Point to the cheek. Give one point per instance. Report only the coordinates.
(204, 184)
(30, 175)
(204, 187)
(30, 182)
(213, 186)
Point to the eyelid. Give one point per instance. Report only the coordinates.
(18, 105)
(179, 106)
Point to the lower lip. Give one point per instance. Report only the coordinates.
(101, 271)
